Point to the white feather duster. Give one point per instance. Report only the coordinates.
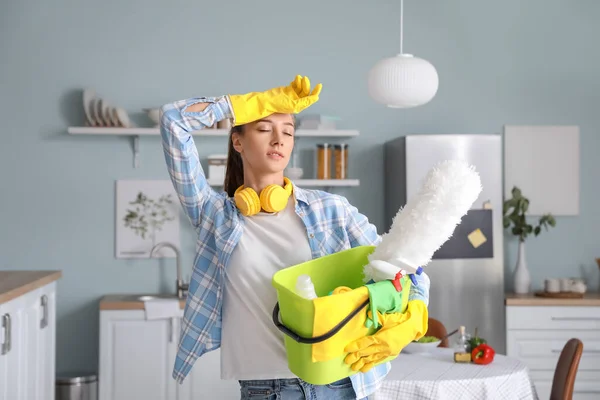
(426, 222)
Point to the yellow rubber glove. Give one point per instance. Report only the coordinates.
(289, 99)
(398, 330)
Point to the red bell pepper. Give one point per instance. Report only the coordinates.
(483, 354)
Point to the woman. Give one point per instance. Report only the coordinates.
(258, 225)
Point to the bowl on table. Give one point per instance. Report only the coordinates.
(425, 345)
(294, 172)
(153, 114)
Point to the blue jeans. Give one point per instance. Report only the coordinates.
(296, 389)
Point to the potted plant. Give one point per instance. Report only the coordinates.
(515, 210)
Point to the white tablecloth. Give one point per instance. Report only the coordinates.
(437, 376)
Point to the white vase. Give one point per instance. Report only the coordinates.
(522, 279)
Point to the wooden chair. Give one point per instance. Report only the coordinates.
(566, 370)
(437, 329)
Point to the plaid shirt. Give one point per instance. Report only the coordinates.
(332, 225)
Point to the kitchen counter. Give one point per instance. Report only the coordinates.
(129, 302)
(17, 283)
(513, 299)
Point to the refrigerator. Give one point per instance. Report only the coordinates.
(467, 272)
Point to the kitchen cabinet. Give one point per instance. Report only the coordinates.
(137, 357)
(27, 342)
(538, 330)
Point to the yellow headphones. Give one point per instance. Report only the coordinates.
(273, 198)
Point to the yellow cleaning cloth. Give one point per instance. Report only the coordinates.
(329, 311)
(399, 329)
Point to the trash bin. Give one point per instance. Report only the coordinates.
(77, 387)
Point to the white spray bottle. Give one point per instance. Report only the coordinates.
(305, 287)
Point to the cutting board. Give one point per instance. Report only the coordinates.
(560, 295)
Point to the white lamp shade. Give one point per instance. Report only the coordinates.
(403, 81)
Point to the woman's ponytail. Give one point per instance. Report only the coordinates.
(234, 175)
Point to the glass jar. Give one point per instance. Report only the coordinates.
(217, 165)
(340, 154)
(323, 161)
(224, 124)
(461, 347)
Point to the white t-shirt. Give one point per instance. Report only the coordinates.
(251, 345)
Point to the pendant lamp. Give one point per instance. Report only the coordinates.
(403, 81)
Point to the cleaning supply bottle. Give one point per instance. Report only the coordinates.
(305, 287)
(461, 347)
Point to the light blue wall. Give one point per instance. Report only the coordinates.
(510, 62)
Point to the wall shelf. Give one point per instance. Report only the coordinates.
(310, 182)
(90, 130)
(136, 132)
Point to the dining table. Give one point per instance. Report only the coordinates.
(435, 375)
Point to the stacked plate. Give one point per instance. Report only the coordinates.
(100, 113)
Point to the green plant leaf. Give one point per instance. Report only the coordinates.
(515, 218)
(508, 204)
(515, 212)
(516, 193)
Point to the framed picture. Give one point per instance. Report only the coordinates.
(147, 213)
(544, 162)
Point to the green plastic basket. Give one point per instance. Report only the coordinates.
(297, 313)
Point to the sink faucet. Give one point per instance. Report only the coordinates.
(182, 287)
